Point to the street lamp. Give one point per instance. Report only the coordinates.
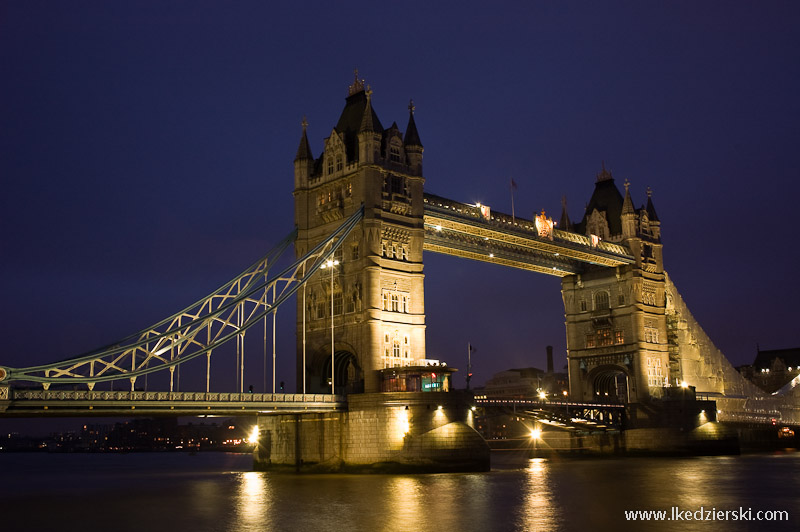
(330, 264)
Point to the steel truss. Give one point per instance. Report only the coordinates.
(197, 330)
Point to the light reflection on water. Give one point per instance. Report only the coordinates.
(538, 511)
(209, 492)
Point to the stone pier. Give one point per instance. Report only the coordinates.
(380, 432)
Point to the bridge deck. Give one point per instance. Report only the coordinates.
(46, 403)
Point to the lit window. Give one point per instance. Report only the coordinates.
(619, 337)
(590, 340)
(604, 337)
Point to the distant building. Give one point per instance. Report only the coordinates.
(773, 369)
(524, 383)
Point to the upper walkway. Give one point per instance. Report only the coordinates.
(475, 232)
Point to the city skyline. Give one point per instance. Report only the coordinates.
(148, 155)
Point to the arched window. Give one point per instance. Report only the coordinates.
(601, 300)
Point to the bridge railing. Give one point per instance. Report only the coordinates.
(136, 395)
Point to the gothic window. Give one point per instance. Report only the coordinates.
(386, 304)
(384, 248)
(337, 303)
(404, 252)
(394, 153)
(395, 254)
(354, 251)
(601, 300)
(396, 348)
(655, 375)
(604, 337)
(351, 301)
(406, 348)
(619, 337)
(395, 303)
(320, 310)
(338, 255)
(583, 305)
(330, 165)
(406, 305)
(590, 340)
(349, 189)
(339, 163)
(398, 185)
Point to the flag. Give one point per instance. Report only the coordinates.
(513, 185)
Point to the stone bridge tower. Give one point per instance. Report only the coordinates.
(378, 305)
(617, 337)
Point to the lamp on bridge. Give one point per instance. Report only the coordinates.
(330, 263)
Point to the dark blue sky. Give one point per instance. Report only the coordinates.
(146, 153)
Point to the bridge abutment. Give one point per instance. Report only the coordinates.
(380, 432)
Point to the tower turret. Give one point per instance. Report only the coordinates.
(303, 161)
(412, 144)
(655, 223)
(628, 214)
(369, 136)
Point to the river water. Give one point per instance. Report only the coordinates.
(218, 492)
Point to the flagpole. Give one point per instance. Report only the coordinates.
(511, 186)
(469, 363)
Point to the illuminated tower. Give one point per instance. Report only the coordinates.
(378, 305)
(617, 338)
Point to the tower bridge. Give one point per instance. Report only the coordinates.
(362, 223)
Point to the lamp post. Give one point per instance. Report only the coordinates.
(330, 264)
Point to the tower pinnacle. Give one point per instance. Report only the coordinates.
(357, 86)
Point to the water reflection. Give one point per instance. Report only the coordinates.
(254, 502)
(538, 506)
(403, 503)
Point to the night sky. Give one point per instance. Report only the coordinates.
(146, 154)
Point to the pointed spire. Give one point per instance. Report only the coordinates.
(651, 211)
(565, 224)
(304, 150)
(367, 124)
(627, 205)
(412, 136)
